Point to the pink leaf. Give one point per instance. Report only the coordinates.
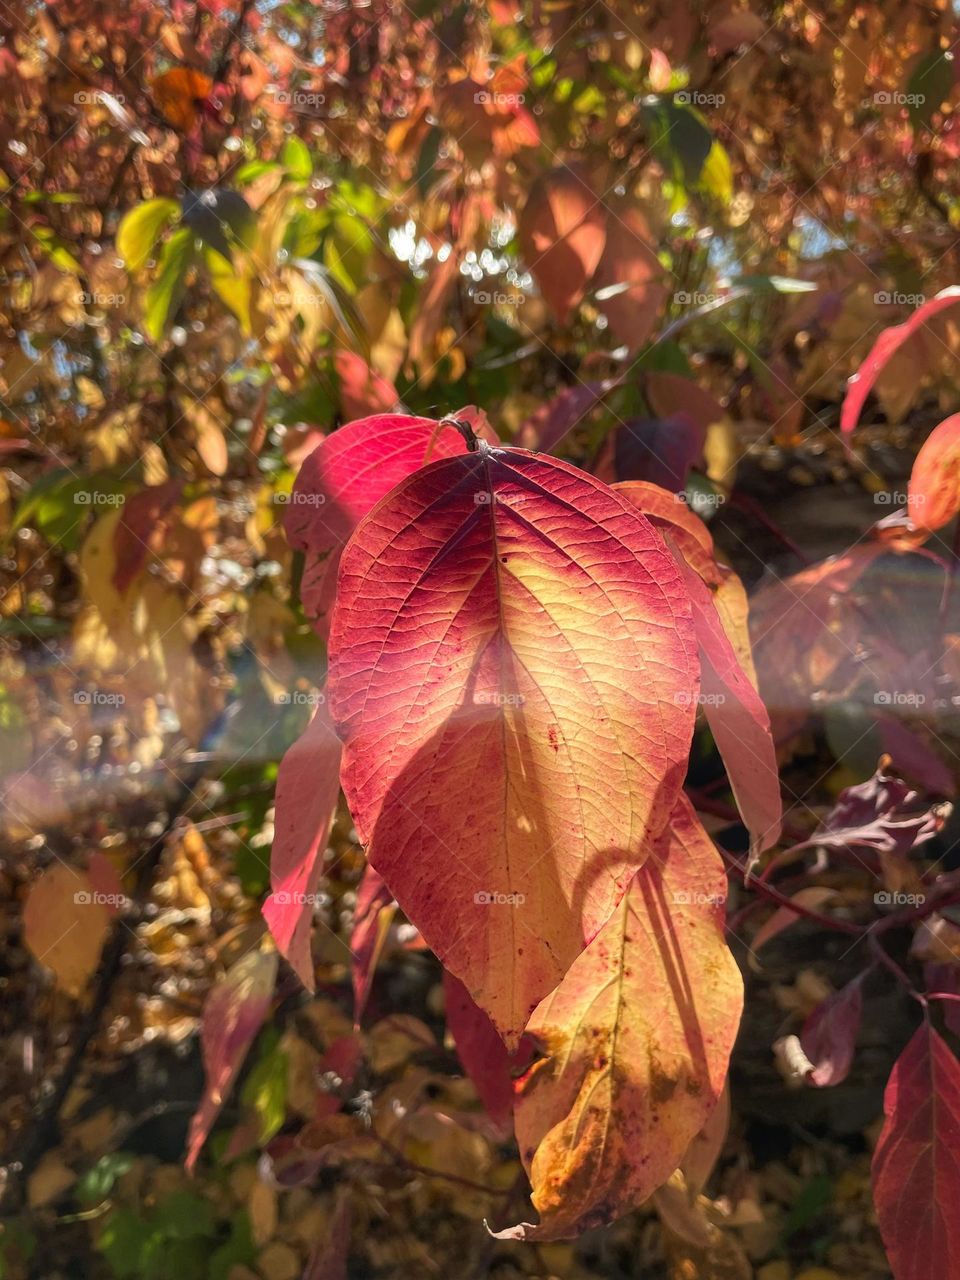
(362, 389)
(343, 479)
(308, 787)
(829, 1035)
(738, 721)
(859, 386)
(485, 1058)
(916, 1164)
(233, 1014)
(547, 426)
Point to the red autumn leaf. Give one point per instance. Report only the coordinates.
(233, 1014)
(829, 1035)
(308, 786)
(670, 513)
(916, 1165)
(362, 390)
(141, 528)
(934, 496)
(486, 615)
(342, 480)
(371, 919)
(860, 385)
(637, 1039)
(562, 230)
(485, 1058)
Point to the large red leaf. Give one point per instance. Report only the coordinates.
(233, 1014)
(508, 652)
(916, 1165)
(934, 497)
(637, 1039)
(562, 230)
(342, 480)
(860, 385)
(308, 785)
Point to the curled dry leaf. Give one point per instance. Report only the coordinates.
(637, 1038)
(513, 592)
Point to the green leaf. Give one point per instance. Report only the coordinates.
(56, 504)
(184, 1216)
(122, 1242)
(55, 249)
(163, 296)
(141, 228)
(239, 1250)
(253, 170)
(930, 83)
(97, 1183)
(265, 1090)
(680, 137)
(426, 160)
(295, 158)
(232, 289)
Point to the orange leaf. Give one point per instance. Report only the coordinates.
(64, 925)
(562, 230)
(934, 497)
(507, 646)
(178, 92)
(637, 1036)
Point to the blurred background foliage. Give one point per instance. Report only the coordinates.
(225, 229)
